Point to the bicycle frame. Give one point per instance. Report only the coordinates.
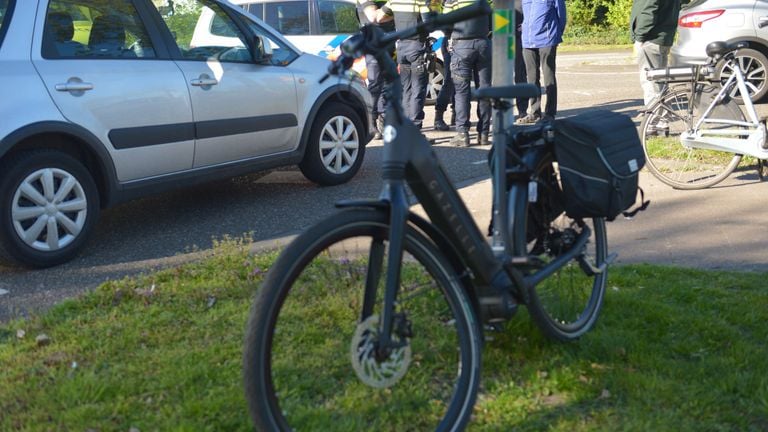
(749, 138)
(499, 279)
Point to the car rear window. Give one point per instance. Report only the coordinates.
(6, 8)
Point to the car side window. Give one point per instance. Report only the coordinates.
(288, 18)
(257, 9)
(95, 29)
(337, 17)
(202, 30)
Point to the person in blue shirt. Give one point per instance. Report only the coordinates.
(542, 32)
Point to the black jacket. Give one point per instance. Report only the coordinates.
(654, 21)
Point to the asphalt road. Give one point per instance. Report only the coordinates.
(176, 227)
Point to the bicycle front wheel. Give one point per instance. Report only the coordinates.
(566, 304)
(311, 360)
(672, 162)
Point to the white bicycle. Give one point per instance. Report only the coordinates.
(695, 134)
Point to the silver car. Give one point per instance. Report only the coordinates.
(110, 100)
(705, 21)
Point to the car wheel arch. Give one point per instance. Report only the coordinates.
(337, 93)
(72, 139)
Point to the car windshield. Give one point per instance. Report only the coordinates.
(5, 16)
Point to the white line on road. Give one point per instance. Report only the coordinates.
(4, 292)
(597, 73)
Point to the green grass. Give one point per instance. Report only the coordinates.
(586, 36)
(675, 349)
(576, 47)
(670, 148)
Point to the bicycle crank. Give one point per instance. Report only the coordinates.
(371, 371)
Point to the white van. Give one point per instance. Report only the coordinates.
(320, 26)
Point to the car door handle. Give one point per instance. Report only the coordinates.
(762, 21)
(74, 87)
(204, 81)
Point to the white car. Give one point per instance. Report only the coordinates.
(110, 100)
(320, 26)
(704, 21)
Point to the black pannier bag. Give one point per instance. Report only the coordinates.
(599, 155)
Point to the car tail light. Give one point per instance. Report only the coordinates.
(695, 19)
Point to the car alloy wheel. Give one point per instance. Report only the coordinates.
(51, 205)
(339, 144)
(336, 145)
(49, 209)
(434, 84)
(754, 64)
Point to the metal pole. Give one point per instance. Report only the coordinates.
(503, 43)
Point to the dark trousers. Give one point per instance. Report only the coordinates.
(470, 57)
(375, 84)
(445, 96)
(521, 75)
(540, 66)
(413, 74)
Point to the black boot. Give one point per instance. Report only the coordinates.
(439, 123)
(483, 139)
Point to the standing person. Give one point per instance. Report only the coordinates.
(366, 14)
(446, 91)
(542, 32)
(411, 53)
(471, 55)
(652, 26)
(520, 73)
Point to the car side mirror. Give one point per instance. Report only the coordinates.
(261, 49)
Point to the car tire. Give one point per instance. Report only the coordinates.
(43, 190)
(434, 83)
(336, 146)
(756, 73)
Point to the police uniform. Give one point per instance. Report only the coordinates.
(411, 55)
(471, 57)
(374, 76)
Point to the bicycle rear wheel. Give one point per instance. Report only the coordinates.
(566, 304)
(668, 159)
(310, 361)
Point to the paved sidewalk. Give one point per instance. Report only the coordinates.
(716, 228)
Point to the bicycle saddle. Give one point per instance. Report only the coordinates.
(720, 48)
(507, 92)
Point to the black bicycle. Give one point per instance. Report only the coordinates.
(373, 319)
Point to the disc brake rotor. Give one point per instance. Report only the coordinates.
(375, 373)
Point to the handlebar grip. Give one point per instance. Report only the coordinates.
(477, 9)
